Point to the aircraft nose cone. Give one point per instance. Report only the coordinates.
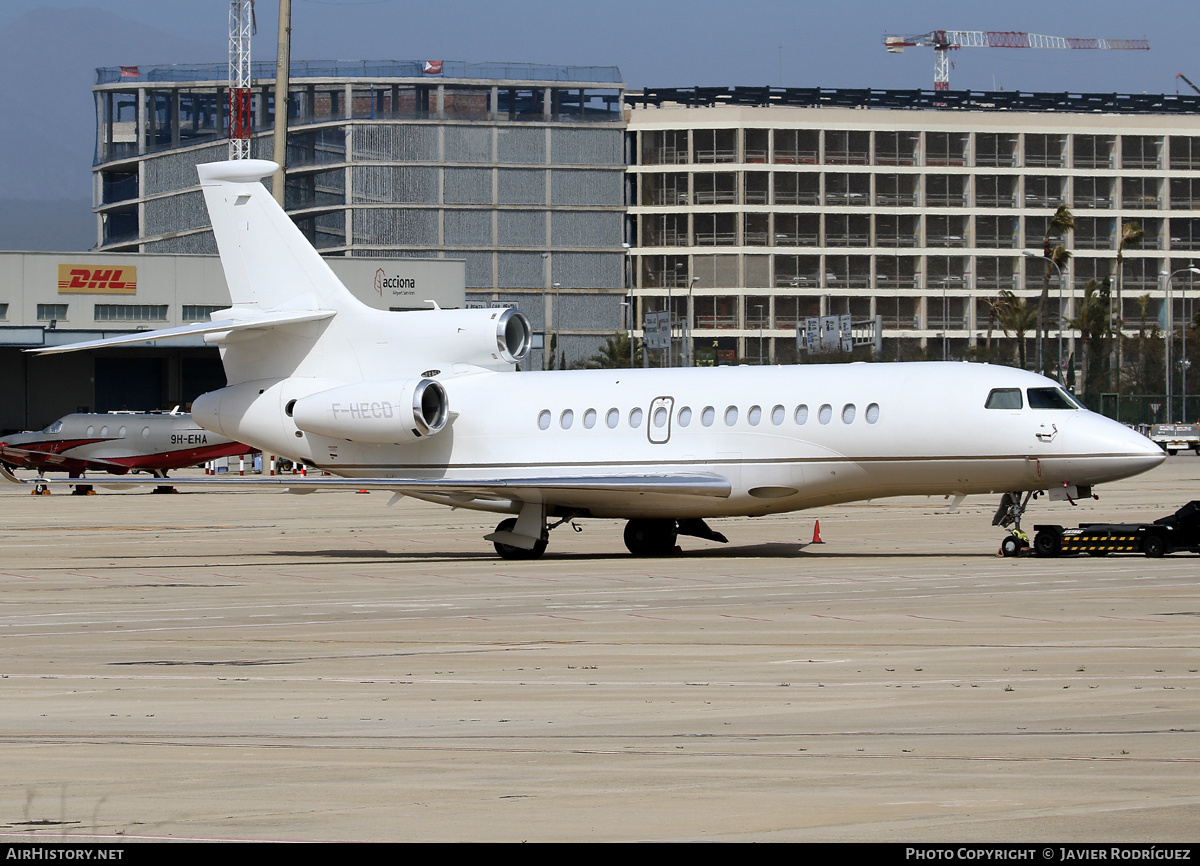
(1126, 451)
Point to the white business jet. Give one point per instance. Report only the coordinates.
(428, 404)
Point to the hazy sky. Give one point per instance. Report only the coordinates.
(706, 42)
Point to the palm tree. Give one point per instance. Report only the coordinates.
(614, 354)
(1093, 323)
(1016, 317)
(1062, 222)
(1131, 235)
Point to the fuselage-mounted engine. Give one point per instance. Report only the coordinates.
(385, 412)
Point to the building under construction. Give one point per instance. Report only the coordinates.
(753, 209)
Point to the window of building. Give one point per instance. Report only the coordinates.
(199, 312)
(995, 149)
(1093, 192)
(1140, 151)
(946, 148)
(995, 191)
(130, 312)
(795, 188)
(51, 312)
(1045, 150)
(1145, 193)
(796, 146)
(714, 145)
(1185, 151)
(847, 147)
(1044, 191)
(1093, 151)
(896, 148)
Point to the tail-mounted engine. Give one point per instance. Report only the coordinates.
(494, 339)
(375, 413)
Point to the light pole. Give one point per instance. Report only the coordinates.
(687, 326)
(759, 307)
(1027, 254)
(1190, 269)
(545, 330)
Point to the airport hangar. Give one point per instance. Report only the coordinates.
(52, 299)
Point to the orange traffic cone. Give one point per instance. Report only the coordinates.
(817, 533)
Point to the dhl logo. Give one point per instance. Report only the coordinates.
(98, 281)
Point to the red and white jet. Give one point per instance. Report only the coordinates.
(117, 443)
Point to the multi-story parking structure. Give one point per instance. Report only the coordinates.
(752, 209)
(515, 168)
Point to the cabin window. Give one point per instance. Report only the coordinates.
(848, 413)
(872, 413)
(589, 418)
(121, 432)
(104, 430)
(708, 416)
(1050, 398)
(801, 413)
(635, 418)
(566, 418)
(544, 419)
(145, 432)
(777, 415)
(825, 413)
(754, 415)
(660, 417)
(731, 413)
(91, 431)
(1004, 398)
(685, 416)
(612, 419)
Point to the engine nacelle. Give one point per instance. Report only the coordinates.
(374, 413)
(494, 339)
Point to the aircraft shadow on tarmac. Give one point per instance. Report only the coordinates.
(767, 550)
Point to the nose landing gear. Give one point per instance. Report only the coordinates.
(1012, 506)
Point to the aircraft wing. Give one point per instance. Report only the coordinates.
(43, 460)
(549, 488)
(241, 323)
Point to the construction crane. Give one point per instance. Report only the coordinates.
(1188, 80)
(241, 25)
(942, 41)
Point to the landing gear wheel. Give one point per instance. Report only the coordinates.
(651, 537)
(509, 551)
(1010, 546)
(1154, 546)
(1047, 543)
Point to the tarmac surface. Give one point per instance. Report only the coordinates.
(246, 666)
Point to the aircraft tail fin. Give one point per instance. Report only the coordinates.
(268, 263)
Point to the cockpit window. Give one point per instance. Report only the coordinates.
(1051, 398)
(54, 428)
(1004, 398)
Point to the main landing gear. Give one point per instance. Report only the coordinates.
(518, 537)
(656, 536)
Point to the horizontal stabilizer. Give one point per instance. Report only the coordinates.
(240, 323)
